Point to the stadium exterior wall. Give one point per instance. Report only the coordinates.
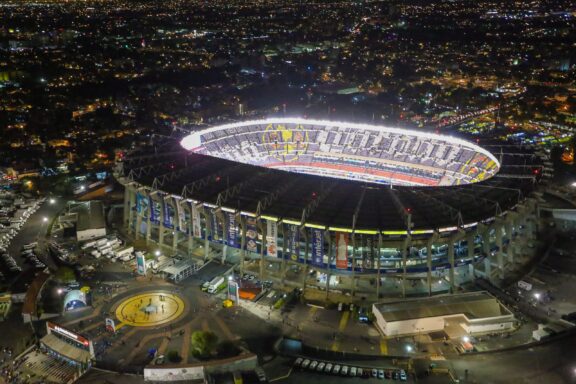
(256, 244)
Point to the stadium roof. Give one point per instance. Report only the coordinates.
(334, 203)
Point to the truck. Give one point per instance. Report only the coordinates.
(30, 246)
(88, 244)
(215, 284)
(124, 252)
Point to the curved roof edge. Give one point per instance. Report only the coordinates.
(193, 140)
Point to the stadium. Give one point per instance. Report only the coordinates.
(337, 207)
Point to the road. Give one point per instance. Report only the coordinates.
(551, 363)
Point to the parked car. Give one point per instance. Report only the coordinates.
(336, 369)
(321, 366)
(298, 362)
(403, 375)
(328, 368)
(313, 365)
(344, 370)
(305, 364)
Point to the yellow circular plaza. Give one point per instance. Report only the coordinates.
(150, 309)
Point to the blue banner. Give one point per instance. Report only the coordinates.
(154, 213)
(232, 230)
(251, 235)
(292, 239)
(168, 212)
(317, 247)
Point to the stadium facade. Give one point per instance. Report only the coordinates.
(337, 207)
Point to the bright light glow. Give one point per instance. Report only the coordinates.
(537, 295)
(52, 201)
(573, 184)
(60, 290)
(466, 339)
(293, 145)
(44, 219)
(157, 253)
(230, 278)
(82, 188)
(409, 348)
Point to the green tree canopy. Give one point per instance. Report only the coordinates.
(203, 343)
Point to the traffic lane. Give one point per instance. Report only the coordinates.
(33, 230)
(551, 363)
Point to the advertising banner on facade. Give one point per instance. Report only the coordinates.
(292, 239)
(168, 213)
(271, 238)
(317, 247)
(139, 205)
(368, 252)
(151, 205)
(342, 250)
(232, 230)
(251, 235)
(180, 216)
(154, 210)
(196, 229)
(216, 231)
(141, 264)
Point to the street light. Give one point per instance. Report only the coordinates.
(466, 339)
(537, 295)
(409, 348)
(157, 253)
(44, 219)
(52, 201)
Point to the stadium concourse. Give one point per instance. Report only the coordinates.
(339, 207)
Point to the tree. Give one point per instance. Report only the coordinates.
(65, 275)
(203, 343)
(173, 356)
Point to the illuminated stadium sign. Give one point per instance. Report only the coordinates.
(350, 151)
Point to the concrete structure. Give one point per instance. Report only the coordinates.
(339, 237)
(90, 222)
(475, 313)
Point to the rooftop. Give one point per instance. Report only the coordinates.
(475, 305)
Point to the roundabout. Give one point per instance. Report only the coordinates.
(150, 309)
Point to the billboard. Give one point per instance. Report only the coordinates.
(140, 263)
(231, 230)
(233, 291)
(342, 240)
(317, 247)
(271, 238)
(251, 235)
(292, 239)
(196, 229)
